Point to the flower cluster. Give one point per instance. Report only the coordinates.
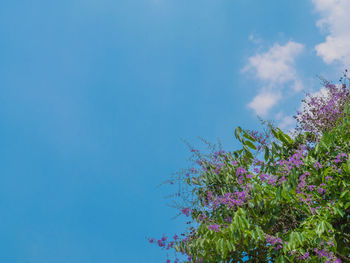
(214, 227)
(329, 256)
(230, 200)
(304, 256)
(275, 242)
(322, 111)
(296, 160)
(186, 211)
(261, 138)
(340, 156)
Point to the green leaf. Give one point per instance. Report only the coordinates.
(222, 246)
(196, 182)
(266, 153)
(275, 148)
(230, 245)
(247, 136)
(321, 227)
(289, 139)
(275, 133)
(281, 259)
(317, 148)
(248, 154)
(279, 193)
(238, 132)
(284, 138)
(339, 211)
(344, 193)
(250, 145)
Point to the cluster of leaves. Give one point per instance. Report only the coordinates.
(287, 200)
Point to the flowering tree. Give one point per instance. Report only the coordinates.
(321, 111)
(277, 200)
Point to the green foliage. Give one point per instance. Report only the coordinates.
(289, 203)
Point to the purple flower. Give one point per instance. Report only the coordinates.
(228, 219)
(186, 211)
(321, 190)
(160, 243)
(249, 176)
(274, 241)
(330, 243)
(216, 228)
(328, 178)
(202, 217)
(317, 165)
(311, 187)
(240, 171)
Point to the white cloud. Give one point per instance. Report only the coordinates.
(263, 102)
(335, 22)
(298, 85)
(323, 92)
(275, 69)
(286, 122)
(277, 64)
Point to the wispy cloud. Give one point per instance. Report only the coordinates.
(275, 69)
(335, 22)
(263, 102)
(284, 121)
(254, 39)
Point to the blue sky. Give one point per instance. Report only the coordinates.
(95, 97)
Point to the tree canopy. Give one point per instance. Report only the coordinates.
(279, 198)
